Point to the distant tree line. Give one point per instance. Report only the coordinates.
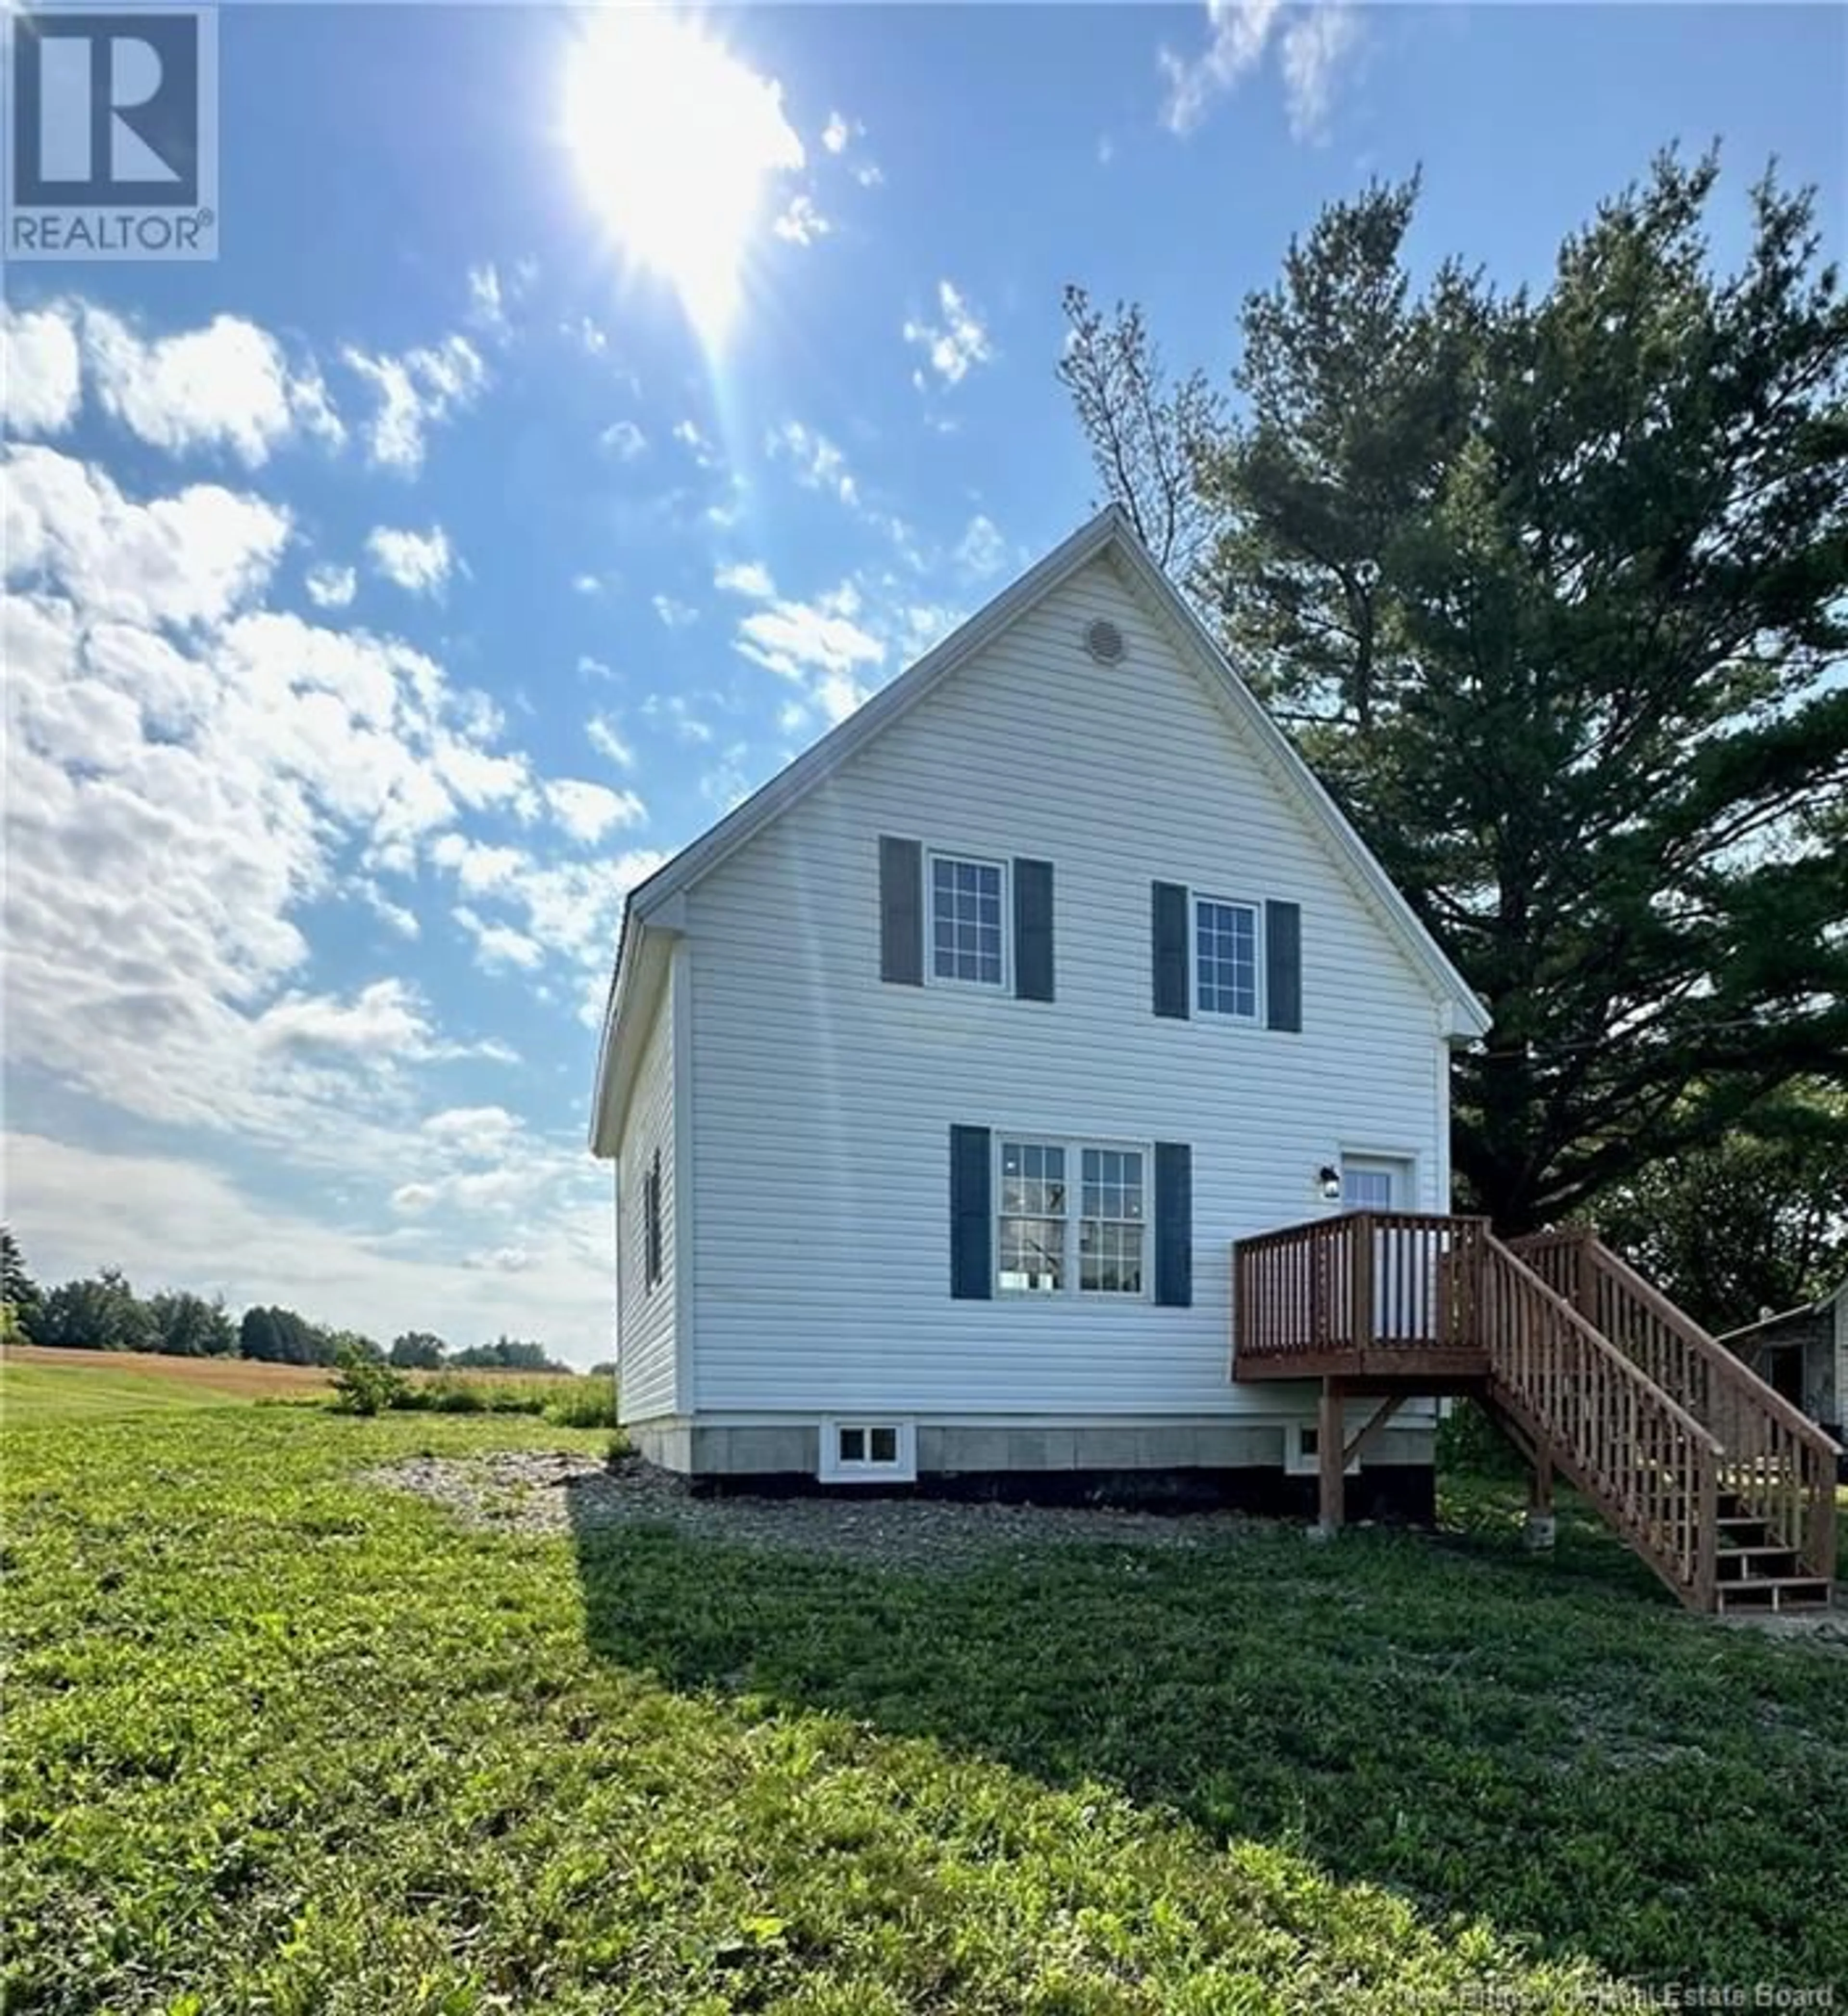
(104, 1313)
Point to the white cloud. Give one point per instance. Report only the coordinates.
(193, 780)
(420, 562)
(604, 735)
(624, 439)
(587, 812)
(728, 783)
(842, 135)
(499, 946)
(171, 1220)
(267, 764)
(674, 615)
(590, 335)
(228, 385)
(1315, 46)
(746, 578)
(402, 921)
(981, 551)
(507, 1260)
(480, 1133)
(688, 434)
(919, 627)
(800, 223)
(489, 297)
(41, 373)
(676, 710)
(416, 391)
(571, 910)
(818, 645)
(958, 342)
(332, 587)
(819, 465)
(382, 1019)
(186, 559)
(1313, 42)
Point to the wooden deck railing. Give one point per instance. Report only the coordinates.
(1392, 1295)
(1366, 1281)
(1599, 1417)
(1778, 1464)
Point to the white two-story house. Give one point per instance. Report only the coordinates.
(940, 1076)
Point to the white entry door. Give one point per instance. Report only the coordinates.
(1403, 1279)
(1374, 1182)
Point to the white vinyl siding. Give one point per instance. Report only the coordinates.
(824, 1098)
(1841, 1315)
(646, 1312)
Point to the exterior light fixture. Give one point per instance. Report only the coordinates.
(1329, 1177)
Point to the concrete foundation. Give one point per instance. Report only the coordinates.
(1171, 1465)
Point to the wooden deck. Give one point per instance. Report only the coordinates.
(1715, 1480)
(1384, 1297)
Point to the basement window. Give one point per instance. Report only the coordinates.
(868, 1452)
(1303, 1446)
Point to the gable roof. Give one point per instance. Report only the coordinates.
(1109, 532)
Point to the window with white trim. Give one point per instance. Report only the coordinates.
(1112, 1221)
(1049, 1241)
(1303, 1451)
(968, 920)
(1225, 963)
(868, 1451)
(1031, 1245)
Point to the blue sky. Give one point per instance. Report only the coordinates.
(389, 595)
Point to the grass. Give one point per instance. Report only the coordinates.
(278, 1741)
(105, 1382)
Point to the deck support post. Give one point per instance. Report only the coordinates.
(1332, 1459)
(1540, 1528)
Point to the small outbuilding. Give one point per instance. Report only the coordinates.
(1803, 1353)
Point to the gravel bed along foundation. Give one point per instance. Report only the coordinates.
(547, 1492)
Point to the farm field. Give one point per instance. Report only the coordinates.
(100, 1381)
(280, 1739)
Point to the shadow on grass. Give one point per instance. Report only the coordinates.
(1547, 1744)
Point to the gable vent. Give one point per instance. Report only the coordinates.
(1105, 642)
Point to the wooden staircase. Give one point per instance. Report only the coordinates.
(1715, 1480)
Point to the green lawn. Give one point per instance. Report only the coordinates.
(278, 1741)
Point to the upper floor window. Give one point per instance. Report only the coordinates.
(1226, 958)
(968, 933)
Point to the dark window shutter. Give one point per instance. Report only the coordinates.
(1174, 1225)
(1032, 930)
(901, 911)
(1283, 965)
(1169, 936)
(971, 1218)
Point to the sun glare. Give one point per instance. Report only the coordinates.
(674, 139)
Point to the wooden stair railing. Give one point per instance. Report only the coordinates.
(1778, 1467)
(1593, 1413)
